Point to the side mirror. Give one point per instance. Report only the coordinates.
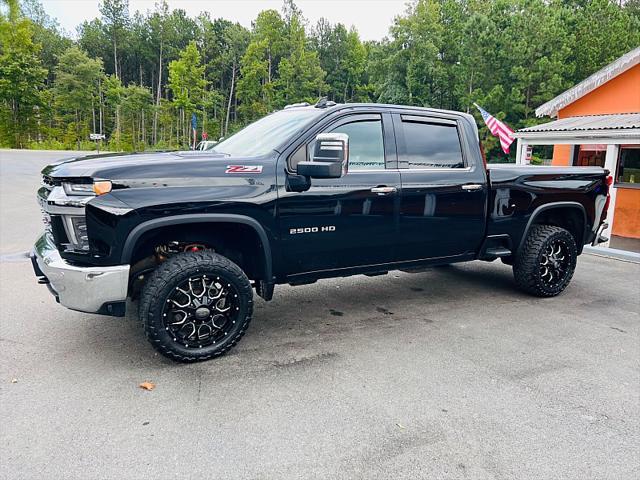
(330, 157)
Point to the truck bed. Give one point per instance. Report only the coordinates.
(519, 193)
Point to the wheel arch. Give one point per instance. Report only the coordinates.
(574, 220)
(143, 230)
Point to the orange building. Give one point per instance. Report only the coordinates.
(598, 123)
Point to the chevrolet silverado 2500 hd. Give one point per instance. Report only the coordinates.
(305, 193)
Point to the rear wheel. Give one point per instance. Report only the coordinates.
(546, 262)
(196, 306)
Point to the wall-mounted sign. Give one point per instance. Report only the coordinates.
(528, 154)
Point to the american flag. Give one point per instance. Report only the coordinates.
(497, 128)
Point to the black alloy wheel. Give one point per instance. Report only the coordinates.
(554, 263)
(546, 262)
(201, 311)
(196, 306)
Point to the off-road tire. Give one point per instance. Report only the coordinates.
(164, 280)
(528, 268)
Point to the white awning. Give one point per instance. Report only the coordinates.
(594, 129)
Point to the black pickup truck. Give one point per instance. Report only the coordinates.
(305, 193)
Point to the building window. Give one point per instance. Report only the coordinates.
(629, 164)
(589, 155)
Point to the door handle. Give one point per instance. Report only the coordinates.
(470, 187)
(384, 190)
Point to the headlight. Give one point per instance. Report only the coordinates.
(98, 187)
(83, 189)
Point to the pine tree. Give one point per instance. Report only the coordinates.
(76, 89)
(187, 83)
(21, 79)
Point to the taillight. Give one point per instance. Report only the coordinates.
(608, 182)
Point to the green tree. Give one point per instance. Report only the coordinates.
(510, 56)
(255, 91)
(137, 104)
(269, 28)
(300, 76)
(542, 65)
(343, 57)
(236, 40)
(159, 34)
(93, 39)
(21, 77)
(115, 14)
(47, 34)
(77, 91)
(603, 32)
(114, 98)
(256, 86)
(188, 85)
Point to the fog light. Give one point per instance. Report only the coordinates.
(80, 237)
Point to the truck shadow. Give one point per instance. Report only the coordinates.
(299, 326)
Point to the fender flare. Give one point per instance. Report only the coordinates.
(149, 225)
(550, 206)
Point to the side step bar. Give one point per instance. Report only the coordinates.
(497, 252)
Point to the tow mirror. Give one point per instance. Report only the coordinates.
(330, 157)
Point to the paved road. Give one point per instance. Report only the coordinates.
(19, 181)
(445, 374)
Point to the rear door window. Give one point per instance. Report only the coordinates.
(431, 144)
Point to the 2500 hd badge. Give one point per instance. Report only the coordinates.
(396, 187)
(326, 228)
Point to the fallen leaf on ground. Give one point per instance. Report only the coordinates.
(147, 385)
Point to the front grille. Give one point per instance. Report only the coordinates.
(43, 194)
(46, 219)
(49, 182)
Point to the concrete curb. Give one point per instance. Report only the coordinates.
(613, 253)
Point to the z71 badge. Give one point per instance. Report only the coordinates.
(243, 169)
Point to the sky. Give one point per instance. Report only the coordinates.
(372, 18)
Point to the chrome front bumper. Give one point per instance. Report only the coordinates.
(87, 289)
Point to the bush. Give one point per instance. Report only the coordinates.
(48, 144)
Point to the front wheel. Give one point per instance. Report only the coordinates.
(546, 262)
(196, 306)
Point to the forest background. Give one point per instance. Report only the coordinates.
(139, 77)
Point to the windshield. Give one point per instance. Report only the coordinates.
(264, 135)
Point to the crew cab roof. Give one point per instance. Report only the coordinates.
(438, 112)
(342, 106)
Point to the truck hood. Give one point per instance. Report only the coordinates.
(158, 166)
